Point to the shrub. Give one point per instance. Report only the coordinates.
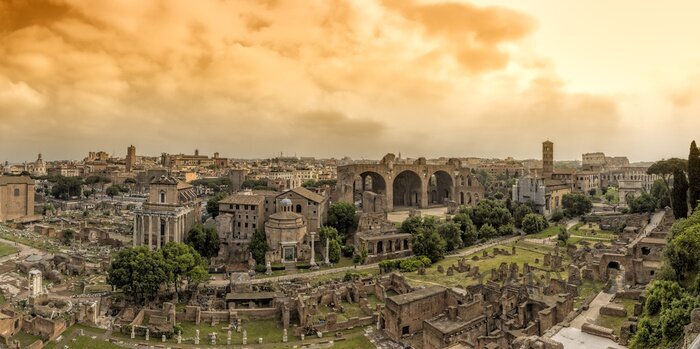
(534, 223)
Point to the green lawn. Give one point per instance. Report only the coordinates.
(85, 342)
(25, 339)
(7, 250)
(41, 244)
(551, 231)
(525, 253)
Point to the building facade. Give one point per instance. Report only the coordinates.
(16, 197)
(169, 213)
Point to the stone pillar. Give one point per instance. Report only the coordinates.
(133, 332)
(150, 233)
(313, 252)
(158, 238)
(35, 283)
(148, 335)
(228, 338)
(424, 199)
(136, 231)
(327, 261)
(167, 231)
(284, 336)
(179, 337)
(196, 337)
(245, 337)
(162, 338)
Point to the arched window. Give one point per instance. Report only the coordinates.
(298, 208)
(162, 197)
(16, 191)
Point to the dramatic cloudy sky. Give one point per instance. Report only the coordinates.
(349, 77)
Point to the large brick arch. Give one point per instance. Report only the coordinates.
(388, 169)
(613, 259)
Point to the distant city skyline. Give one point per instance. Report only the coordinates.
(358, 78)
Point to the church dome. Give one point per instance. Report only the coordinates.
(286, 202)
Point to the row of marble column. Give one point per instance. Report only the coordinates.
(146, 226)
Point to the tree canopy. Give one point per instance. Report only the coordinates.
(258, 246)
(679, 194)
(342, 216)
(213, 204)
(534, 223)
(576, 204)
(205, 240)
(694, 175)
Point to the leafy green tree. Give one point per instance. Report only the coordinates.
(648, 335)
(666, 170)
(327, 232)
(185, 264)
(96, 179)
(534, 223)
(411, 225)
(644, 203)
(576, 204)
(563, 235)
(506, 229)
(520, 212)
(694, 175)
(679, 194)
(429, 243)
(205, 240)
(360, 256)
(213, 204)
(450, 232)
(660, 294)
(258, 246)
(491, 212)
(113, 191)
(68, 236)
(487, 231)
(468, 229)
(334, 251)
(138, 272)
(612, 195)
(681, 251)
(661, 194)
(66, 187)
(557, 216)
(342, 216)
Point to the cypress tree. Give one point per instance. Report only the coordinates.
(680, 194)
(693, 176)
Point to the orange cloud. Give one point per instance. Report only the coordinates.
(248, 78)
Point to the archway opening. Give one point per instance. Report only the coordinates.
(614, 265)
(407, 189)
(440, 186)
(368, 181)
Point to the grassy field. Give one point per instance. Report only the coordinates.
(7, 250)
(551, 231)
(525, 253)
(614, 322)
(42, 245)
(25, 339)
